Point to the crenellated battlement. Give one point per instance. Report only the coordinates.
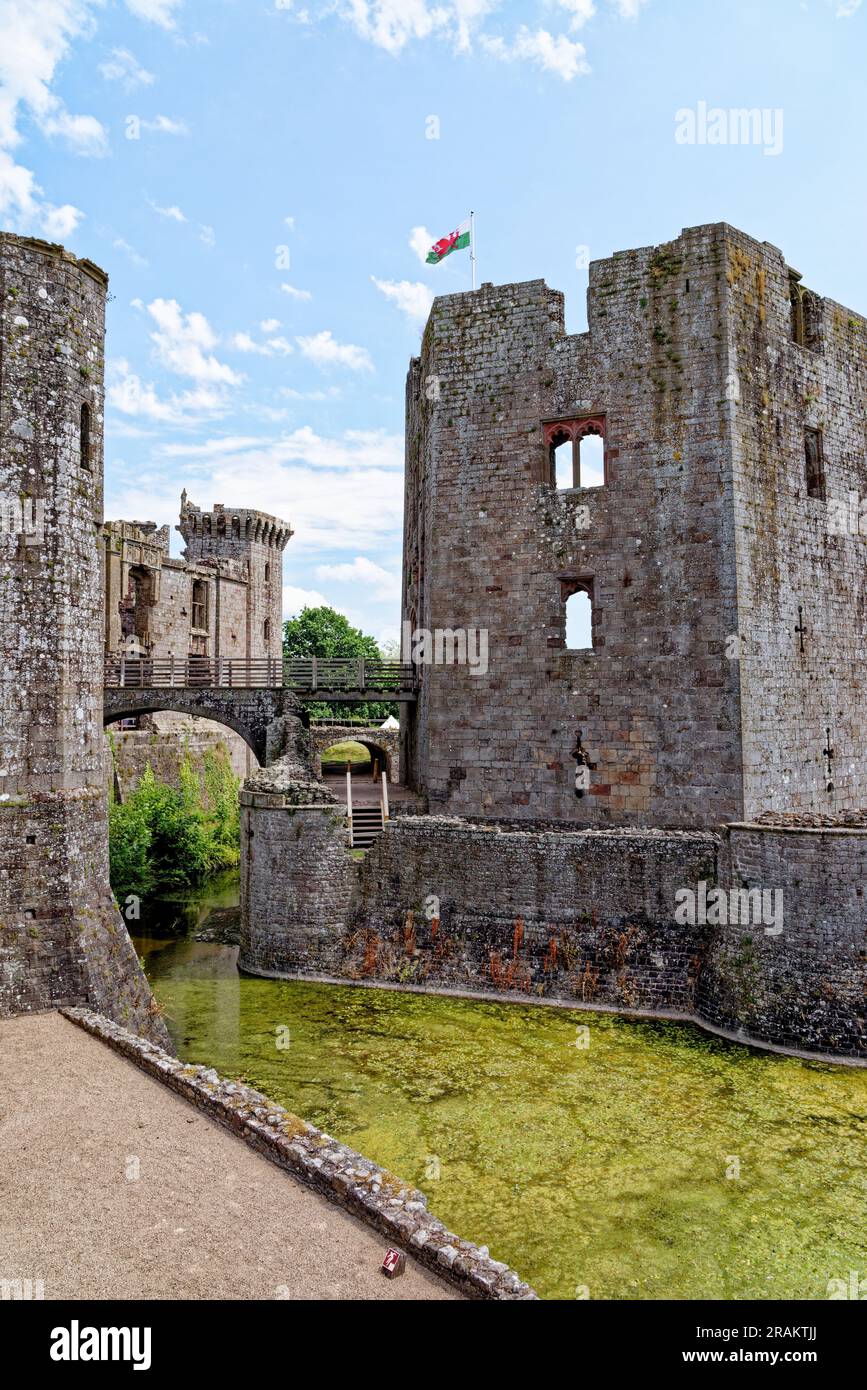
(232, 527)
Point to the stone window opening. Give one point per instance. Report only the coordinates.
(576, 453)
(580, 616)
(268, 574)
(135, 618)
(805, 314)
(266, 630)
(84, 437)
(200, 605)
(814, 458)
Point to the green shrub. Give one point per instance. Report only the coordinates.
(164, 837)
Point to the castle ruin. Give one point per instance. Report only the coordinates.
(725, 674)
(704, 743)
(62, 939)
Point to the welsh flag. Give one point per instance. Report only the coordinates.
(458, 240)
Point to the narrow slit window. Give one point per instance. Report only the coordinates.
(814, 463)
(84, 436)
(267, 630)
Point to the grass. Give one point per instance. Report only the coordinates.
(341, 753)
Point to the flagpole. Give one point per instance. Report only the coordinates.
(473, 245)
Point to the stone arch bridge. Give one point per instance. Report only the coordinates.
(257, 715)
(382, 744)
(253, 697)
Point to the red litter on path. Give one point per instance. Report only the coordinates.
(394, 1263)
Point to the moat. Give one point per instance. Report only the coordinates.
(609, 1167)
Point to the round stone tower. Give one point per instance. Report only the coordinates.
(255, 540)
(62, 940)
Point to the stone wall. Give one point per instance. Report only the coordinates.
(62, 940)
(223, 599)
(297, 876)
(806, 987)
(491, 544)
(802, 576)
(382, 744)
(729, 620)
(586, 918)
(165, 749)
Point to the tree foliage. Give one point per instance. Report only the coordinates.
(324, 633)
(162, 836)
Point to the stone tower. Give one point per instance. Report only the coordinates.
(719, 543)
(62, 940)
(256, 541)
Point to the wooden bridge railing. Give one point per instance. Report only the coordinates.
(302, 675)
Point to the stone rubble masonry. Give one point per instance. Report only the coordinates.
(62, 940)
(297, 878)
(236, 553)
(163, 742)
(703, 533)
(382, 744)
(578, 917)
(361, 1187)
(256, 713)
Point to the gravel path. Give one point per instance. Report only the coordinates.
(111, 1186)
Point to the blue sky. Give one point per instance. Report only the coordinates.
(260, 181)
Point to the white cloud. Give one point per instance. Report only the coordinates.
(57, 223)
(421, 241)
(390, 24)
(269, 325)
(290, 223)
(342, 493)
(161, 12)
(135, 399)
(557, 54)
(411, 297)
(393, 24)
(294, 293)
(365, 572)
(207, 235)
(84, 134)
(173, 213)
(165, 125)
(628, 9)
(353, 450)
(184, 343)
(294, 599)
(123, 66)
(274, 347)
(581, 11)
(292, 395)
(323, 349)
(138, 260)
(34, 40)
(846, 8)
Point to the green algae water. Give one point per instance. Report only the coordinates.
(654, 1163)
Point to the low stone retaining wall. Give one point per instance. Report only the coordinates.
(369, 1192)
(805, 986)
(581, 917)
